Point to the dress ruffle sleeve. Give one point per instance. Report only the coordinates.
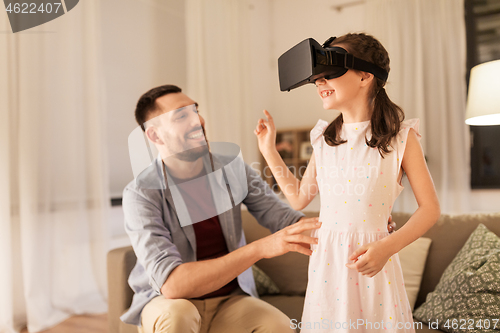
(317, 131)
(402, 136)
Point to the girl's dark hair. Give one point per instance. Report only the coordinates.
(387, 116)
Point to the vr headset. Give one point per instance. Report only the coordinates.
(308, 61)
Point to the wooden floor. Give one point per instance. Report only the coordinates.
(80, 324)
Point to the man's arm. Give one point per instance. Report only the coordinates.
(150, 238)
(160, 257)
(194, 279)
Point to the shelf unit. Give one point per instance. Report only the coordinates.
(295, 148)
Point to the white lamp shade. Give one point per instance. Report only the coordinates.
(483, 102)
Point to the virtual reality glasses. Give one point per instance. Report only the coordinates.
(308, 61)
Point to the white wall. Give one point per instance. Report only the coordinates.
(485, 201)
(143, 47)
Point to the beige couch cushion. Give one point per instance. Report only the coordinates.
(413, 258)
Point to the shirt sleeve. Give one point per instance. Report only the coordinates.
(150, 238)
(265, 205)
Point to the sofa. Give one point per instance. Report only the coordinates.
(289, 272)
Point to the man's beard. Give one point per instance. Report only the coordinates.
(192, 154)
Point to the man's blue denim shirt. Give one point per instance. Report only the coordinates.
(161, 244)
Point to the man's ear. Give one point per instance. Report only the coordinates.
(153, 136)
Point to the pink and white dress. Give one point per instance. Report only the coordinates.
(358, 188)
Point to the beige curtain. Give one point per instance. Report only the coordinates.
(218, 68)
(426, 42)
(54, 196)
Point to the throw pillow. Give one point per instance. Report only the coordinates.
(264, 284)
(467, 297)
(413, 258)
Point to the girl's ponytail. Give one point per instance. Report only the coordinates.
(385, 121)
(332, 132)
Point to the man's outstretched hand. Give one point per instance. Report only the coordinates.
(292, 238)
(391, 225)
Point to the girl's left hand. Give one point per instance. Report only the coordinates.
(266, 134)
(373, 258)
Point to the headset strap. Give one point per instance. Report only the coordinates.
(347, 60)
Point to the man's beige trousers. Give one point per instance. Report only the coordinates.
(235, 313)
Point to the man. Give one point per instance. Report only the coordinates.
(196, 276)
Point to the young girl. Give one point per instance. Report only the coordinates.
(355, 279)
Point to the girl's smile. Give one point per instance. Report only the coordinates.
(326, 93)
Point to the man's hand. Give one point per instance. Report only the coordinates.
(391, 225)
(289, 239)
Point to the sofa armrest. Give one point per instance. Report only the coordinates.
(120, 263)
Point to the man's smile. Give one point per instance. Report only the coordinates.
(196, 135)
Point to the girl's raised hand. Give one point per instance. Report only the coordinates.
(373, 258)
(266, 134)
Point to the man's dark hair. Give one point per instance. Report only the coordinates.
(147, 103)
